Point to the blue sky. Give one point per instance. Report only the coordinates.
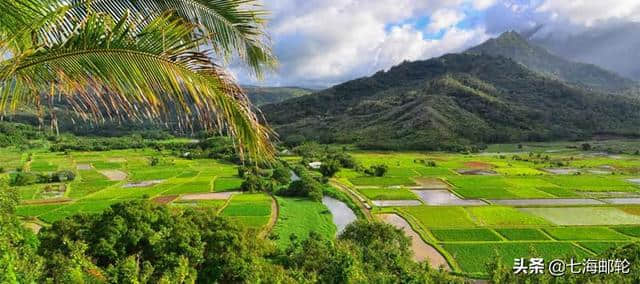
(324, 42)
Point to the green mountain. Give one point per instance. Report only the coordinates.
(453, 101)
(514, 46)
(269, 95)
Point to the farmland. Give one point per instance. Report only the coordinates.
(550, 200)
(471, 208)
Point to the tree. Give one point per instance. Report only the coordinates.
(306, 186)
(377, 170)
(133, 60)
(329, 168)
(140, 242)
(282, 175)
(251, 183)
(19, 262)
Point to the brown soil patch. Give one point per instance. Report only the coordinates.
(275, 212)
(164, 199)
(114, 175)
(632, 210)
(431, 183)
(478, 165)
(209, 196)
(421, 250)
(47, 201)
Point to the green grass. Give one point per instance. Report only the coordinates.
(592, 183)
(517, 234)
(251, 210)
(584, 216)
(504, 216)
(433, 171)
(209, 204)
(29, 191)
(196, 186)
(388, 194)
(227, 184)
(381, 181)
(456, 235)
(600, 247)
(559, 192)
(584, 233)
(491, 187)
(440, 217)
(629, 231)
(301, 216)
(473, 258)
(519, 171)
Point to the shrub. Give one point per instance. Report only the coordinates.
(377, 170)
(329, 168)
(307, 186)
(281, 175)
(23, 178)
(251, 183)
(65, 175)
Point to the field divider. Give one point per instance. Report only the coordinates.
(575, 243)
(273, 218)
(544, 232)
(503, 238)
(354, 197)
(417, 227)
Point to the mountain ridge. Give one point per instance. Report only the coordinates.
(512, 45)
(449, 103)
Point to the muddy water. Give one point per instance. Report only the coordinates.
(342, 214)
(421, 250)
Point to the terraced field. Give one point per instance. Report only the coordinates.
(554, 202)
(545, 201)
(104, 178)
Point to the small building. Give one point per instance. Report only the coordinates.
(315, 165)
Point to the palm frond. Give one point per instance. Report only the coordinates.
(105, 70)
(231, 26)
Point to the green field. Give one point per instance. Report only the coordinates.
(251, 210)
(387, 193)
(299, 217)
(471, 235)
(473, 258)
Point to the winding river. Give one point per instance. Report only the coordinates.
(342, 214)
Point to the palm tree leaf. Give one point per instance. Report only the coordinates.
(106, 71)
(231, 26)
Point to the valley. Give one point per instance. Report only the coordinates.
(553, 199)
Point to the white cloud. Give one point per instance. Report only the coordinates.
(482, 4)
(587, 13)
(331, 41)
(443, 19)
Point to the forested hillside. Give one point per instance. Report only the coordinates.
(450, 102)
(514, 46)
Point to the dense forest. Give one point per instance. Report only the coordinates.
(451, 103)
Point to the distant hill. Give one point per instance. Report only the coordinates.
(268, 95)
(613, 46)
(514, 46)
(451, 102)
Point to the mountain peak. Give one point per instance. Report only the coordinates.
(512, 45)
